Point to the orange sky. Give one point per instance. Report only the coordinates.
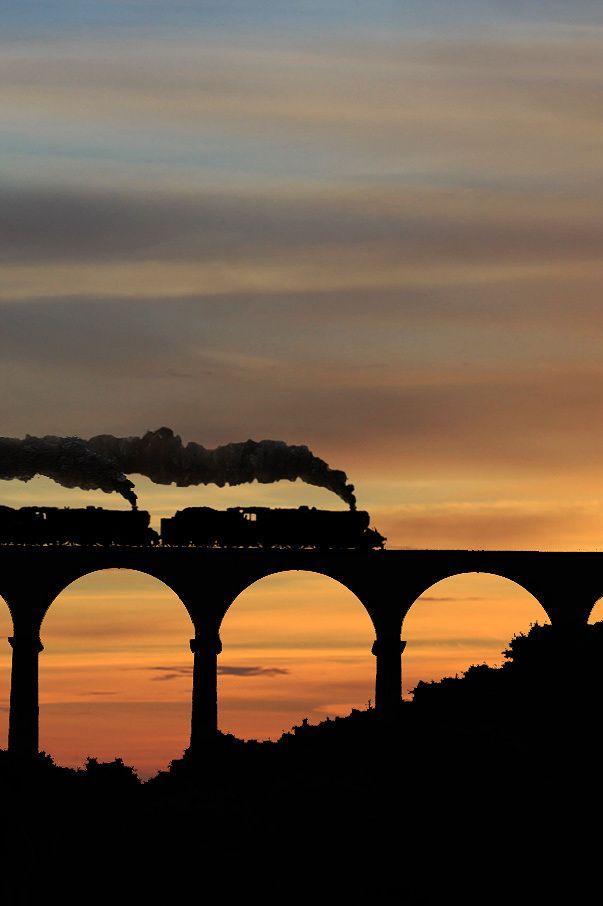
(372, 229)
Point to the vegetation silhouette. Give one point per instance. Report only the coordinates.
(441, 799)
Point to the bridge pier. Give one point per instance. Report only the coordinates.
(23, 728)
(388, 649)
(206, 646)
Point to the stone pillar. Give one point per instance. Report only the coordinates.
(206, 647)
(24, 709)
(388, 649)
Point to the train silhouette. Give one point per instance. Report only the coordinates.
(235, 527)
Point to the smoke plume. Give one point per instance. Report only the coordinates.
(162, 457)
(67, 460)
(102, 462)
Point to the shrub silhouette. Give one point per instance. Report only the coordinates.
(113, 775)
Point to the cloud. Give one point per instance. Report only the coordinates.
(502, 105)
(483, 642)
(224, 670)
(171, 673)
(435, 226)
(404, 254)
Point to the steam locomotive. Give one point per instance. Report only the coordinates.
(305, 527)
(90, 525)
(236, 527)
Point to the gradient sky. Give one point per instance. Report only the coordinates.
(373, 229)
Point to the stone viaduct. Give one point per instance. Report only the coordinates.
(207, 581)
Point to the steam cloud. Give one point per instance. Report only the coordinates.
(67, 460)
(104, 461)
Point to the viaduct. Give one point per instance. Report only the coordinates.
(208, 581)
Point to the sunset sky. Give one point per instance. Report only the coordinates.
(374, 229)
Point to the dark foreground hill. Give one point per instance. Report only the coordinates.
(486, 787)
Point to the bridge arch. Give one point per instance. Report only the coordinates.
(465, 618)
(522, 582)
(67, 580)
(116, 670)
(341, 578)
(296, 643)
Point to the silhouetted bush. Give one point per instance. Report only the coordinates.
(540, 707)
(110, 775)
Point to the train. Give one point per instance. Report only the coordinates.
(89, 525)
(235, 527)
(304, 527)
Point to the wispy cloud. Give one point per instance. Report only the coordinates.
(432, 103)
(225, 670)
(481, 643)
(298, 240)
(172, 673)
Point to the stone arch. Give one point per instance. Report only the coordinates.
(315, 570)
(76, 576)
(429, 583)
(283, 656)
(478, 633)
(103, 652)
